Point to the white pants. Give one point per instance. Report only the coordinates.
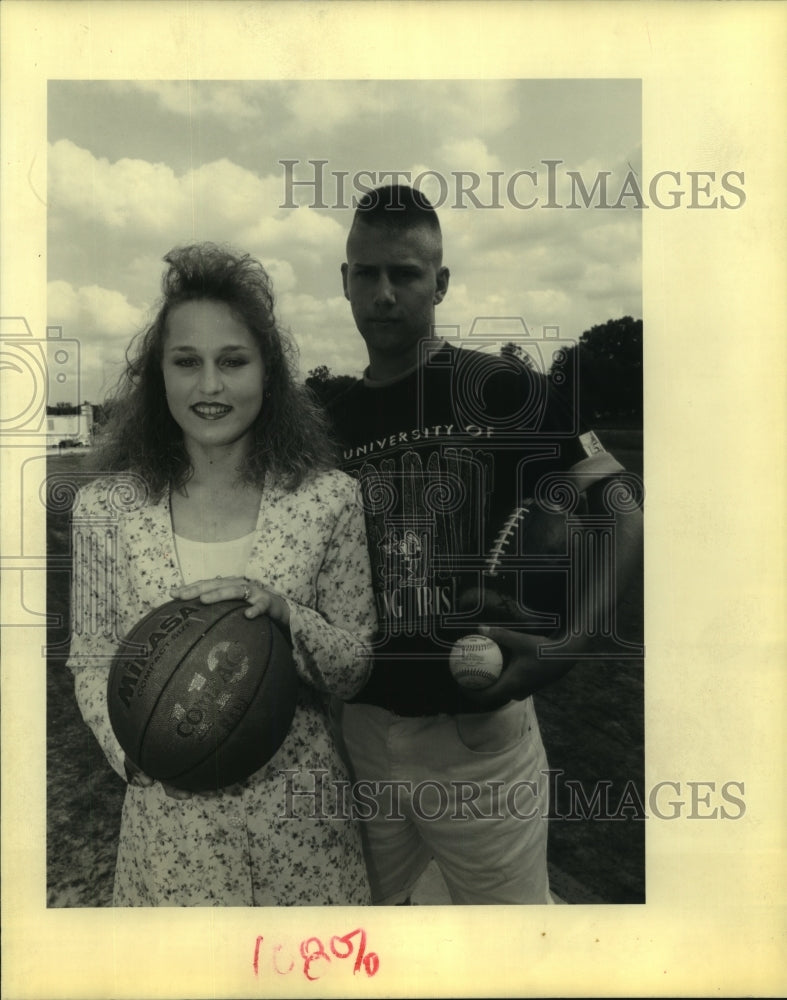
(470, 791)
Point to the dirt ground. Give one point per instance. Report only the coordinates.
(592, 724)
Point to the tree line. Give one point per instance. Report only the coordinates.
(605, 364)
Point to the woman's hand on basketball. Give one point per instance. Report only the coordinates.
(261, 601)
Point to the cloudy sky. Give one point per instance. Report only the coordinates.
(135, 168)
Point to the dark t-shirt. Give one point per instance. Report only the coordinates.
(443, 455)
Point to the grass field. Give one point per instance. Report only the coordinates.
(592, 723)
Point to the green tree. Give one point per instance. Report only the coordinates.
(325, 386)
(515, 350)
(608, 357)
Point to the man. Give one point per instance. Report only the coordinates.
(446, 443)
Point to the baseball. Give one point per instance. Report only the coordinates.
(475, 661)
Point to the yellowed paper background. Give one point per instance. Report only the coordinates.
(714, 88)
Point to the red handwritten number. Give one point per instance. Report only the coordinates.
(312, 948)
(312, 956)
(282, 972)
(256, 963)
(370, 962)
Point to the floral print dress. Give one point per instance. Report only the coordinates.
(283, 836)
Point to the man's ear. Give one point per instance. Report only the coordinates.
(344, 282)
(443, 277)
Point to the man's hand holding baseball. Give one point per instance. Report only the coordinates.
(524, 671)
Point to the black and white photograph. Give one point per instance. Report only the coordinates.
(202, 175)
(358, 482)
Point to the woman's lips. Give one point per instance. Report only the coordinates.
(211, 411)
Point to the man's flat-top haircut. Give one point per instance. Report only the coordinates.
(399, 209)
(397, 206)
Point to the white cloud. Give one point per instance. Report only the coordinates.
(324, 332)
(461, 153)
(299, 228)
(614, 237)
(127, 194)
(324, 107)
(92, 309)
(222, 194)
(614, 282)
(219, 201)
(282, 276)
(150, 199)
(489, 106)
(103, 322)
(226, 101)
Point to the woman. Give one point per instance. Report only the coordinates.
(221, 485)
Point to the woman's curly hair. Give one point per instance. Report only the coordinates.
(290, 439)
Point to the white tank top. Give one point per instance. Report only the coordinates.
(206, 560)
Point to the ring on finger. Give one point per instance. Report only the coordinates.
(246, 591)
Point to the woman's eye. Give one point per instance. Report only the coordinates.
(234, 362)
(186, 362)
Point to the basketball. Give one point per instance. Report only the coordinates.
(200, 696)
